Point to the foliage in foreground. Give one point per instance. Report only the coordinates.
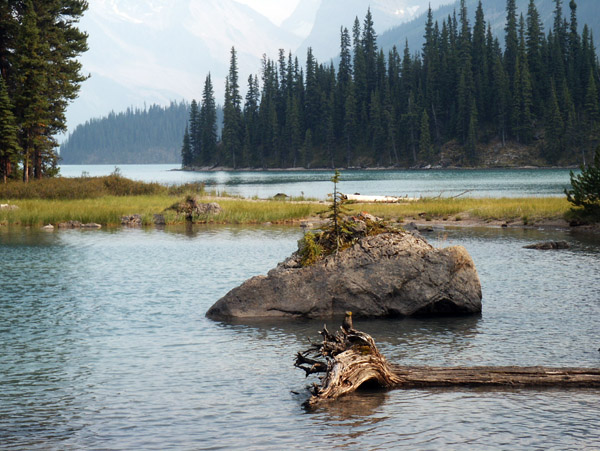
(585, 191)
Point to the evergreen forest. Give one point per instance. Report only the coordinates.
(461, 100)
(39, 77)
(136, 136)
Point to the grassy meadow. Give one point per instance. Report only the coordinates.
(104, 200)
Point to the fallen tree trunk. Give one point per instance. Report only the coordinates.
(352, 360)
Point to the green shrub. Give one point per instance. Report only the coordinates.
(585, 191)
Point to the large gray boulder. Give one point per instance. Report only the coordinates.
(391, 274)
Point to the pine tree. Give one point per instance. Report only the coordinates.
(369, 47)
(9, 146)
(350, 125)
(479, 60)
(194, 133)
(511, 40)
(535, 38)
(471, 143)
(554, 129)
(186, 150)
(208, 124)
(501, 99)
(31, 105)
(232, 124)
(425, 139)
(465, 81)
(38, 49)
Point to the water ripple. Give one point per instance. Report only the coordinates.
(104, 344)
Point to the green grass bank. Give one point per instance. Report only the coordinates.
(104, 200)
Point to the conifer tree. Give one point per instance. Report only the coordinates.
(350, 124)
(31, 105)
(534, 40)
(511, 40)
(585, 188)
(232, 121)
(195, 136)
(592, 112)
(554, 128)
(9, 146)
(425, 139)
(208, 124)
(186, 150)
(38, 49)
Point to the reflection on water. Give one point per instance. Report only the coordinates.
(104, 344)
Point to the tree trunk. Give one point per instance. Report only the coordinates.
(352, 360)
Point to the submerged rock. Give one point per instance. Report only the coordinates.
(69, 225)
(390, 274)
(544, 245)
(91, 225)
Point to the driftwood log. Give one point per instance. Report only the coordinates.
(350, 359)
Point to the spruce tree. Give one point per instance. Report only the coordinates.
(534, 40)
(9, 146)
(194, 134)
(32, 106)
(39, 44)
(232, 124)
(592, 112)
(208, 124)
(511, 40)
(186, 150)
(425, 139)
(553, 144)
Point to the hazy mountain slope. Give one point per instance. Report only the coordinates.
(495, 14)
(158, 51)
(332, 14)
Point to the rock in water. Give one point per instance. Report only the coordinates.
(545, 245)
(386, 275)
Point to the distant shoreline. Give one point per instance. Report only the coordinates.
(393, 168)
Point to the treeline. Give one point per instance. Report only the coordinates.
(39, 76)
(136, 136)
(462, 90)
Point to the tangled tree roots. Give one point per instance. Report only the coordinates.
(352, 359)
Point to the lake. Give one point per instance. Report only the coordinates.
(104, 345)
(316, 184)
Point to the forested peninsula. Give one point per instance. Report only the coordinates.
(462, 100)
(135, 136)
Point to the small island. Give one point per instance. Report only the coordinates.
(359, 264)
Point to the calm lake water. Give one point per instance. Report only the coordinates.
(316, 184)
(104, 345)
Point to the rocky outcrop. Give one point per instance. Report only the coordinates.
(546, 245)
(191, 207)
(390, 274)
